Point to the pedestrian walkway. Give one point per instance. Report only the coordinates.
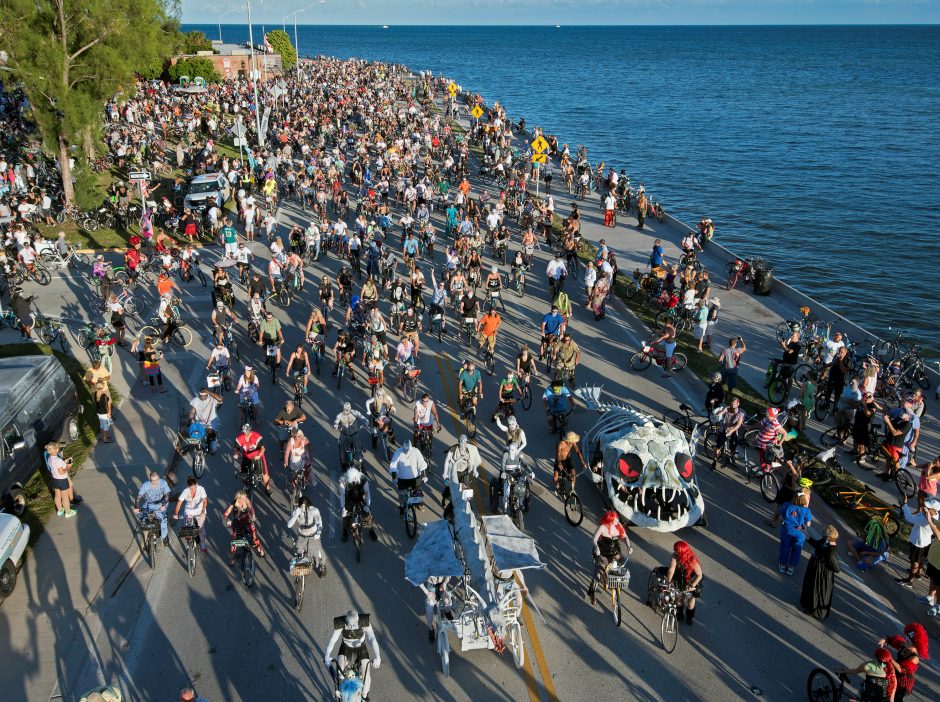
(69, 585)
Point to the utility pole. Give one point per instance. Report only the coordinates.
(254, 79)
(296, 44)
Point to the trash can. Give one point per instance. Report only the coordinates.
(763, 278)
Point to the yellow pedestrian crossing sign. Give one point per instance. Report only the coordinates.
(539, 145)
(477, 112)
(452, 89)
(539, 158)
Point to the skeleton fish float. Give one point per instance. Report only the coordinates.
(646, 466)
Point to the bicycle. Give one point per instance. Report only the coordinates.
(72, 258)
(558, 421)
(300, 390)
(150, 526)
(34, 272)
(181, 336)
(617, 579)
(189, 535)
(468, 411)
(49, 330)
(821, 686)
(270, 360)
(437, 325)
(125, 299)
(298, 483)
(860, 501)
(355, 530)
(666, 600)
(519, 494)
(413, 502)
(408, 380)
(489, 358)
(196, 442)
(243, 548)
(526, 391)
(301, 565)
(518, 279)
(574, 510)
(246, 407)
(424, 439)
(318, 346)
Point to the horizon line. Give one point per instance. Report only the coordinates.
(554, 25)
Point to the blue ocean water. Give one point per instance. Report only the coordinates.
(815, 147)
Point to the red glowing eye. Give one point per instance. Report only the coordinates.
(630, 466)
(684, 465)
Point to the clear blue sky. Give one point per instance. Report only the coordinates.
(567, 12)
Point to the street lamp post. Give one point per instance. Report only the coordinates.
(254, 80)
(296, 44)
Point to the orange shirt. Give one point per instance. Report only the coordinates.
(164, 285)
(464, 187)
(490, 323)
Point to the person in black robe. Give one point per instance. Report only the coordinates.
(816, 597)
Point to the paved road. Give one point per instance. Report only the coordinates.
(246, 644)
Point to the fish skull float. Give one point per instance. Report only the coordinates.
(648, 470)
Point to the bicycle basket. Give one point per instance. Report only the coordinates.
(189, 531)
(301, 566)
(197, 432)
(619, 580)
(416, 497)
(240, 543)
(149, 522)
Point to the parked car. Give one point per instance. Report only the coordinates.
(14, 535)
(38, 404)
(205, 187)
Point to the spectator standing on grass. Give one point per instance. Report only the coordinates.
(61, 481)
(701, 323)
(96, 375)
(103, 410)
(730, 359)
(714, 306)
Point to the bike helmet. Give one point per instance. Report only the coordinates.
(197, 431)
(220, 305)
(806, 483)
(716, 377)
(347, 407)
(246, 428)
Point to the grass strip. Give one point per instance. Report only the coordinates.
(38, 489)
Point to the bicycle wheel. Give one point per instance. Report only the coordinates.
(835, 496)
(182, 337)
(46, 333)
(830, 437)
(490, 363)
(152, 548)
(357, 542)
(248, 567)
(130, 306)
(411, 521)
(299, 583)
(410, 390)
(819, 474)
(526, 397)
(731, 273)
(887, 352)
(891, 523)
(640, 361)
(769, 486)
(679, 361)
(783, 332)
(615, 606)
(63, 341)
(84, 337)
(191, 557)
(801, 373)
(678, 419)
(443, 650)
(42, 276)
(518, 519)
(202, 277)
(146, 331)
(574, 511)
(710, 442)
(199, 463)
(79, 260)
(905, 483)
(631, 289)
(669, 631)
(821, 687)
(821, 408)
(471, 423)
(665, 317)
(921, 378)
(283, 297)
(777, 392)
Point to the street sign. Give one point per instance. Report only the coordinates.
(539, 145)
(452, 89)
(135, 176)
(238, 129)
(539, 158)
(264, 120)
(477, 112)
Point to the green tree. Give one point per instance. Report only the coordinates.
(191, 42)
(72, 55)
(192, 67)
(281, 44)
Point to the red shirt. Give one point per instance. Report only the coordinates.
(132, 259)
(250, 445)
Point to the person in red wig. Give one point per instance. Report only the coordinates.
(880, 683)
(610, 532)
(911, 650)
(685, 572)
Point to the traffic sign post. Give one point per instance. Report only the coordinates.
(539, 158)
(477, 112)
(452, 89)
(539, 144)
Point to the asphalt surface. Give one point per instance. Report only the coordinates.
(236, 643)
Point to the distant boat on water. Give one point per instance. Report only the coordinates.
(557, 26)
(384, 26)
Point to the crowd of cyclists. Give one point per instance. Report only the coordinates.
(420, 256)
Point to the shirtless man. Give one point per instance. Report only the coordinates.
(563, 459)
